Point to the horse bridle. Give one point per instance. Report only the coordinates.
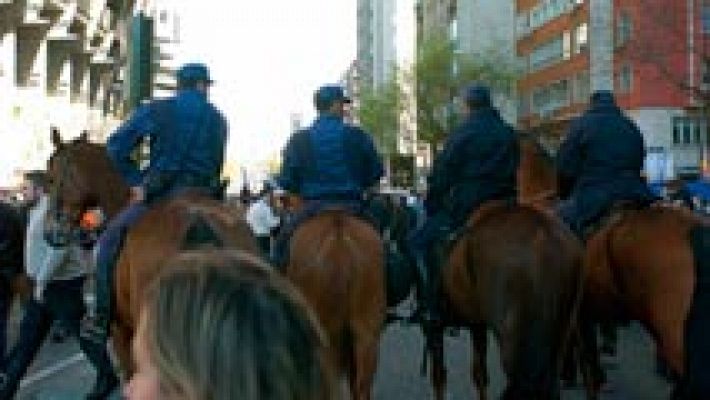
(56, 238)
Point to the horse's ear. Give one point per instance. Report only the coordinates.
(84, 136)
(56, 137)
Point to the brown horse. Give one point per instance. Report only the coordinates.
(337, 262)
(82, 176)
(516, 271)
(640, 266)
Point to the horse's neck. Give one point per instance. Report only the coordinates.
(536, 175)
(112, 191)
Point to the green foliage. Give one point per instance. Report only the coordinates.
(440, 72)
(379, 112)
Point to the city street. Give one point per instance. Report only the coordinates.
(62, 373)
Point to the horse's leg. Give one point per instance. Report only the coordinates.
(122, 337)
(364, 358)
(435, 340)
(479, 368)
(592, 373)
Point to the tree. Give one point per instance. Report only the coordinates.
(379, 113)
(661, 43)
(673, 58)
(439, 73)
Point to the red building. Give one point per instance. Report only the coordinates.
(657, 53)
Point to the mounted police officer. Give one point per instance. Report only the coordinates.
(479, 163)
(187, 137)
(327, 164)
(600, 163)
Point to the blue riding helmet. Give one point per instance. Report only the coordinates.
(477, 95)
(326, 95)
(194, 72)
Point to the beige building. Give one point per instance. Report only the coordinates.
(64, 64)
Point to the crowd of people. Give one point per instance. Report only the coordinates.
(256, 337)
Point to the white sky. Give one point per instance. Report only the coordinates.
(267, 57)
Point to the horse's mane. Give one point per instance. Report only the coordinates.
(543, 150)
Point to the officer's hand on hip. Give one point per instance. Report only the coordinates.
(137, 194)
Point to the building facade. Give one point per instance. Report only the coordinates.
(376, 36)
(386, 47)
(649, 52)
(65, 64)
(479, 29)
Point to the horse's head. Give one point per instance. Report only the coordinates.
(537, 176)
(79, 178)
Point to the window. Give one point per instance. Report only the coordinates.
(705, 74)
(625, 79)
(623, 28)
(690, 131)
(581, 38)
(547, 99)
(706, 18)
(581, 88)
(676, 133)
(567, 45)
(547, 54)
(548, 10)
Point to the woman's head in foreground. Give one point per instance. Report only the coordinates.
(219, 325)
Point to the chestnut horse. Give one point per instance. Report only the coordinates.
(337, 261)
(640, 266)
(82, 176)
(516, 271)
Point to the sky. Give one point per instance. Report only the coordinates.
(267, 57)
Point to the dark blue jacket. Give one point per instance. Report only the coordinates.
(330, 161)
(479, 163)
(187, 137)
(603, 152)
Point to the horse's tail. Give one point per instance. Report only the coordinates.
(697, 348)
(344, 259)
(558, 300)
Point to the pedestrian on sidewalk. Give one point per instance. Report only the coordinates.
(262, 220)
(58, 274)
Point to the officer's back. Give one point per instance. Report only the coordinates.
(330, 160)
(611, 146)
(186, 133)
(479, 161)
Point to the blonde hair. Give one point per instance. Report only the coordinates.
(221, 325)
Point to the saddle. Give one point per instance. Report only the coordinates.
(612, 215)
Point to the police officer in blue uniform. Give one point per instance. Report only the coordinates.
(187, 137)
(479, 163)
(600, 163)
(327, 164)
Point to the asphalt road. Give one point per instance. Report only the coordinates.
(61, 372)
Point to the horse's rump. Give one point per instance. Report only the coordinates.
(337, 260)
(645, 263)
(517, 270)
(181, 223)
